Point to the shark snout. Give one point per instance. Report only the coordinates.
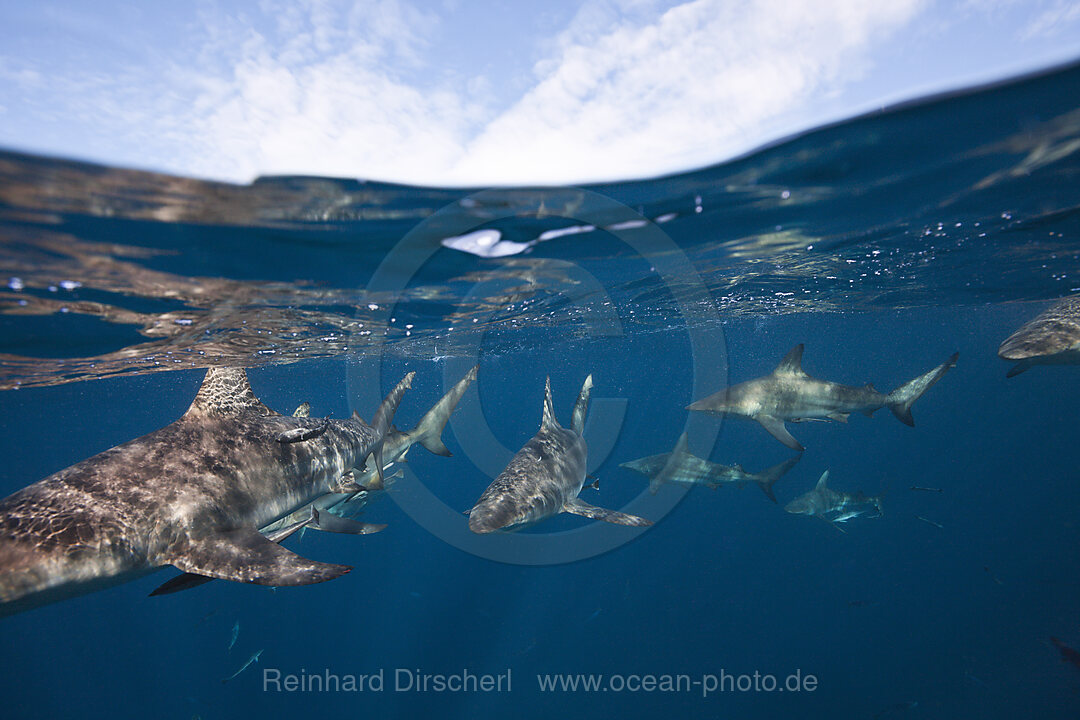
(487, 518)
(797, 508)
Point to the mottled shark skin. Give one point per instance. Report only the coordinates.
(682, 467)
(192, 495)
(790, 395)
(1050, 338)
(544, 477)
(361, 483)
(832, 506)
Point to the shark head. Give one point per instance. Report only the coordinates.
(494, 514)
(802, 505)
(722, 402)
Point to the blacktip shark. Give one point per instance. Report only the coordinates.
(333, 511)
(544, 477)
(1050, 338)
(192, 495)
(833, 506)
(789, 394)
(682, 467)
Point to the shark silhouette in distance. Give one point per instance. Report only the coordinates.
(1051, 338)
(833, 506)
(790, 395)
(682, 467)
(334, 511)
(193, 495)
(544, 477)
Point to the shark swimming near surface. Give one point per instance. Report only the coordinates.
(544, 477)
(1050, 338)
(333, 511)
(790, 395)
(193, 495)
(833, 506)
(681, 466)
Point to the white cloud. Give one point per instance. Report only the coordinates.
(628, 89)
(1053, 20)
(704, 81)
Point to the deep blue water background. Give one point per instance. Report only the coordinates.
(896, 611)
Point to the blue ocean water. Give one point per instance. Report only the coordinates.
(884, 244)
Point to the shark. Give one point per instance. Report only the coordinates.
(833, 506)
(788, 394)
(332, 512)
(682, 467)
(192, 495)
(1050, 338)
(544, 477)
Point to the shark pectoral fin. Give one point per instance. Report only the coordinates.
(181, 582)
(839, 416)
(245, 555)
(328, 522)
(1018, 368)
(580, 507)
(776, 428)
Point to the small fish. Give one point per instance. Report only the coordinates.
(994, 577)
(1068, 654)
(938, 525)
(301, 434)
(926, 489)
(254, 658)
(235, 634)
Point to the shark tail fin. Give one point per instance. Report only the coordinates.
(428, 432)
(767, 478)
(902, 398)
(581, 407)
(549, 407)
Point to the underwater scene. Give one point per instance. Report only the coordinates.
(792, 435)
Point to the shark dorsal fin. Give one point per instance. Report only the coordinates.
(682, 447)
(792, 362)
(226, 391)
(821, 483)
(581, 407)
(549, 408)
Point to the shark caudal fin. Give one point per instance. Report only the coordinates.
(767, 478)
(581, 407)
(428, 432)
(902, 398)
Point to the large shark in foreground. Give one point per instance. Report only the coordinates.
(833, 506)
(789, 394)
(1051, 338)
(682, 467)
(192, 495)
(544, 477)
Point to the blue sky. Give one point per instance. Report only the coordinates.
(467, 93)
